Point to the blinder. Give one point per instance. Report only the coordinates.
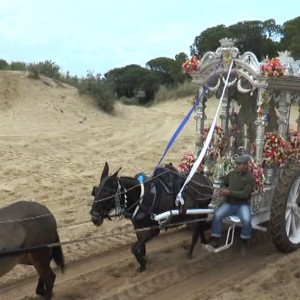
(107, 196)
(94, 191)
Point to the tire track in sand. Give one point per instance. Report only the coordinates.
(112, 274)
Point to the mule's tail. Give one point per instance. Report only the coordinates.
(58, 257)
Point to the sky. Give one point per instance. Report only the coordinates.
(100, 35)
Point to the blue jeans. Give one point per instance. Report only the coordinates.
(242, 211)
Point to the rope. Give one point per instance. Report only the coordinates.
(100, 200)
(52, 245)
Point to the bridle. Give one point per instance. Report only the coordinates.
(119, 208)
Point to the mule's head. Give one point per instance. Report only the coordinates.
(104, 196)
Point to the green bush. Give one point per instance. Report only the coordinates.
(33, 73)
(71, 80)
(164, 94)
(4, 65)
(129, 101)
(99, 89)
(47, 68)
(18, 66)
(185, 89)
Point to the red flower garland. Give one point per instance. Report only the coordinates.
(275, 150)
(218, 143)
(258, 172)
(191, 65)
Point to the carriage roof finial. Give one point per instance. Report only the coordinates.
(227, 42)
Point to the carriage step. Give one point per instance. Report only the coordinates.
(228, 242)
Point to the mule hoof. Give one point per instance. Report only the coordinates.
(48, 296)
(40, 291)
(189, 256)
(141, 269)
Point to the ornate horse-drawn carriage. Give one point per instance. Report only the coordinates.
(255, 112)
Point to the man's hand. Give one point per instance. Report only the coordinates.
(224, 192)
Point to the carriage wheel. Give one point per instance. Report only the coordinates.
(285, 211)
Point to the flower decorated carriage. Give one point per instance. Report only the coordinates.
(253, 117)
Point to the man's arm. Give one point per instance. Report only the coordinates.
(224, 183)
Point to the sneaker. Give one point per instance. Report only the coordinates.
(215, 242)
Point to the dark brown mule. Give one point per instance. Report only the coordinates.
(139, 202)
(27, 230)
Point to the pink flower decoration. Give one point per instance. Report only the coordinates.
(272, 68)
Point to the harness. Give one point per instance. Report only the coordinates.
(143, 205)
(140, 201)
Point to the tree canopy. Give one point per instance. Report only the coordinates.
(291, 37)
(261, 38)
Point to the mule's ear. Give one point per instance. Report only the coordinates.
(105, 171)
(116, 173)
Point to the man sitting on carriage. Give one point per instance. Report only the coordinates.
(236, 189)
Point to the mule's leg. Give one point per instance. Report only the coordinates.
(40, 288)
(194, 240)
(47, 279)
(143, 250)
(135, 249)
(41, 261)
(139, 247)
(49, 283)
(204, 226)
(200, 229)
(202, 236)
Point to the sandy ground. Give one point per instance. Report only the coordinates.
(53, 146)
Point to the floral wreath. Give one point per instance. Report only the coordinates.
(218, 143)
(191, 65)
(272, 68)
(275, 149)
